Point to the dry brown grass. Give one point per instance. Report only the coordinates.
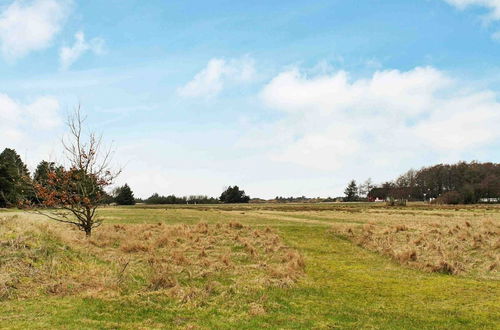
(452, 246)
(182, 261)
(32, 262)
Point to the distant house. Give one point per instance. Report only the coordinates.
(382, 194)
(489, 200)
(378, 194)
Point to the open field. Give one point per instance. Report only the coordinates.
(249, 266)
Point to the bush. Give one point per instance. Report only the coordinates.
(468, 195)
(234, 195)
(450, 197)
(395, 202)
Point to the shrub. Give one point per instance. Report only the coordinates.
(395, 202)
(451, 197)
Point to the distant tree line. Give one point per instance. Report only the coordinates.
(304, 199)
(291, 199)
(461, 183)
(172, 199)
(229, 195)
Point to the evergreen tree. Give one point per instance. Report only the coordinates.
(107, 198)
(351, 192)
(234, 195)
(125, 196)
(15, 182)
(6, 186)
(42, 171)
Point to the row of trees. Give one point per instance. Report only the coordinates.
(229, 195)
(304, 199)
(291, 199)
(172, 199)
(451, 184)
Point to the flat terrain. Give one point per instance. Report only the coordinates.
(251, 266)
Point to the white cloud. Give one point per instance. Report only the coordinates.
(19, 120)
(322, 150)
(27, 26)
(462, 122)
(68, 55)
(333, 122)
(216, 75)
(32, 128)
(44, 113)
(9, 110)
(409, 91)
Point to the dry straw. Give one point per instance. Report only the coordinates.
(181, 261)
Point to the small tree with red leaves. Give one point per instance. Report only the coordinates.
(73, 195)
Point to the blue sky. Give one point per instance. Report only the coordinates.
(279, 97)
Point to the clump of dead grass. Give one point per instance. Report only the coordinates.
(181, 261)
(450, 247)
(34, 261)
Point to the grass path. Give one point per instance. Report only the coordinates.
(344, 287)
(270, 216)
(362, 289)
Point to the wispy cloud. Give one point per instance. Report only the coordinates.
(496, 36)
(492, 5)
(69, 55)
(27, 26)
(216, 75)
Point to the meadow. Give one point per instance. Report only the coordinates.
(247, 266)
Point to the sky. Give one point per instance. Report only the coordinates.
(282, 98)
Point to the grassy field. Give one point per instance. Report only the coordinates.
(255, 266)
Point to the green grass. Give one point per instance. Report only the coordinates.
(344, 286)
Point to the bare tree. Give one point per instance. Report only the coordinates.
(72, 195)
(365, 187)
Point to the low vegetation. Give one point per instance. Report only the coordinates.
(187, 262)
(34, 262)
(451, 247)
